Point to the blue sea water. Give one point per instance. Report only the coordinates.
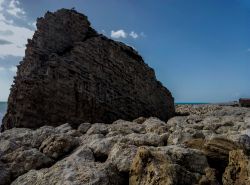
(190, 103)
(3, 108)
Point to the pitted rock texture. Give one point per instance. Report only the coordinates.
(208, 147)
(70, 73)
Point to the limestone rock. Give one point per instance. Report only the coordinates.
(84, 127)
(208, 147)
(121, 156)
(71, 74)
(22, 160)
(167, 166)
(79, 168)
(58, 145)
(238, 169)
(216, 149)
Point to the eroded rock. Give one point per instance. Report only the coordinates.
(71, 74)
(238, 169)
(167, 166)
(58, 145)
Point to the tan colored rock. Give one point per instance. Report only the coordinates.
(167, 166)
(154, 125)
(58, 145)
(217, 151)
(121, 156)
(148, 139)
(139, 120)
(122, 127)
(77, 169)
(238, 169)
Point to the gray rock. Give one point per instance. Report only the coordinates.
(84, 127)
(22, 160)
(58, 145)
(4, 174)
(121, 156)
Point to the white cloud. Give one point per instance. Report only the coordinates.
(118, 34)
(18, 40)
(13, 69)
(19, 35)
(1, 5)
(2, 69)
(134, 35)
(3, 19)
(14, 9)
(122, 34)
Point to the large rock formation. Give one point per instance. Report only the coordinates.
(70, 73)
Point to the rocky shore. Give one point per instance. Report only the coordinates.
(204, 144)
(72, 118)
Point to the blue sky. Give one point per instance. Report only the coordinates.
(200, 49)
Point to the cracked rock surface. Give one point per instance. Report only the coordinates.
(208, 146)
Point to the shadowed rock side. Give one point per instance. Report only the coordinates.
(70, 73)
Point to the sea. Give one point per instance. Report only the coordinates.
(3, 108)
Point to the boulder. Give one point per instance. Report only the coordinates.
(121, 156)
(71, 74)
(167, 166)
(79, 168)
(58, 145)
(23, 160)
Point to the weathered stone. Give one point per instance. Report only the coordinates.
(126, 127)
(167, 166)
(4, 174)
(72, 74)
(22, 160)
(238, 169)
(139, 120)
(98, 128)
(148, 139)
(79, 168)
(84, 127)
(121, 156)
(58, 145)
(155, 125)
(64, 128)
(217, 151)
(209, 178)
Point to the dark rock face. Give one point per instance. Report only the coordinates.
(70, 73)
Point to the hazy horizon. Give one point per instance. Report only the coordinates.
(200, 50)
